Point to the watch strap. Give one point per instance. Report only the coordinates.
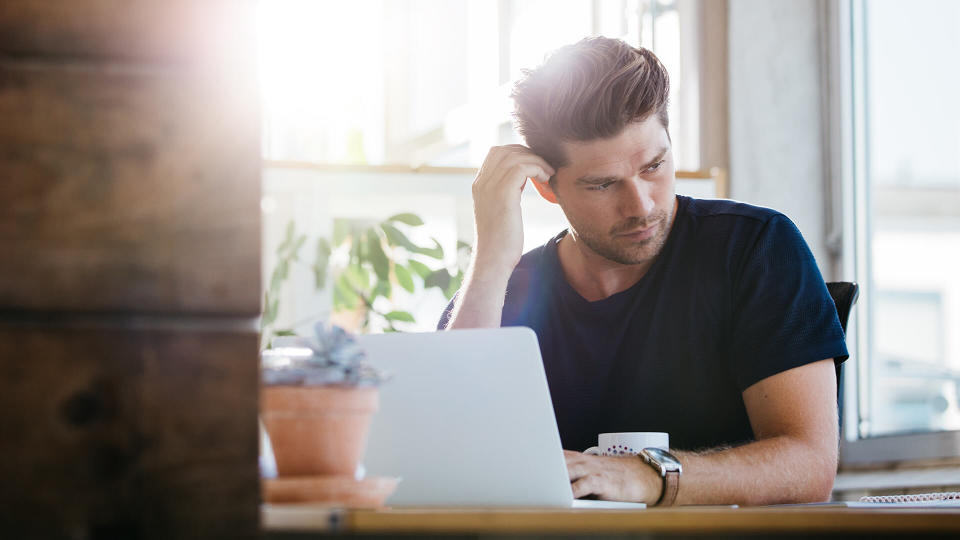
(668, 494)
(670, 481)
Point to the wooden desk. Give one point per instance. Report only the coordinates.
(299, 521)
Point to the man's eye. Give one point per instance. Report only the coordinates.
(600, 187)
(655, 166)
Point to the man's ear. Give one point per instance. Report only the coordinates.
(545, 190)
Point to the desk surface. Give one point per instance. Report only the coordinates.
(704, 520)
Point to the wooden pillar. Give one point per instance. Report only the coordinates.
(129, 269)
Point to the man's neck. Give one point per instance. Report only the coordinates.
(595, 277)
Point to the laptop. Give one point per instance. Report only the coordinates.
(466, 420)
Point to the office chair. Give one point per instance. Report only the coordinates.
(844, 294)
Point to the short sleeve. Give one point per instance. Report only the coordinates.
(783, 315)
(445, 316)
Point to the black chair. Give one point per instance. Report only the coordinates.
(844, 294)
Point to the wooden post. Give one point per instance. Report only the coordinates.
(129, 269)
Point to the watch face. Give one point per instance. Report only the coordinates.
(666, 459)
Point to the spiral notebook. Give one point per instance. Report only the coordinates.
(918, 500)
(949, 498)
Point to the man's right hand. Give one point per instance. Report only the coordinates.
(496, 206)
(496, 209)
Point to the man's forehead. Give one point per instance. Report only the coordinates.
(636, 145)
(614, 160)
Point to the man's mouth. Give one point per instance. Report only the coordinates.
(640, 233)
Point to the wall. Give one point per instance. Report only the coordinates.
(776, 131)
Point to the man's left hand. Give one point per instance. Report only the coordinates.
(612, 478)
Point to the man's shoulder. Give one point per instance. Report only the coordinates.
(730, 210)
(531, 260)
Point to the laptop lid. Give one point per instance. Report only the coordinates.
(466, 420)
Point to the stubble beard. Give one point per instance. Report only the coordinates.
(621, 250)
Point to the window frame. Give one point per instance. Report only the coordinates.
(846, 132)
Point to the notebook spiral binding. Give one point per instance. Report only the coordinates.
(918, 497)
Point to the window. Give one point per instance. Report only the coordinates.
(427, 82)
(358, 92)
(904, 219)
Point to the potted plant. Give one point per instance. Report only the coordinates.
(365, 263)
(317, 402)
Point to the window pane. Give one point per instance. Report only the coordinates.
(913, 169)
(427, 82)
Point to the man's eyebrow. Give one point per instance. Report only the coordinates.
(593, 180)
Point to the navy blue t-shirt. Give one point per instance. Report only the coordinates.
(734, 296)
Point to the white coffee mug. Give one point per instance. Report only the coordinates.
(630, 443)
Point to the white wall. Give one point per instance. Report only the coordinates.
(776, 157)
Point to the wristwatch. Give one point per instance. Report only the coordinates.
(668, 467)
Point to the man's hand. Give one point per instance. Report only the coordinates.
(612, 478)
(496, 206)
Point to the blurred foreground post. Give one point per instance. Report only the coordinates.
(129, 269)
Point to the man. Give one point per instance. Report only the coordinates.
(705, 319)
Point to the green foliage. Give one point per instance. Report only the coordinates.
(288, 253)
(363, 262)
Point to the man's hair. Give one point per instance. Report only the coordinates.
(589, 90)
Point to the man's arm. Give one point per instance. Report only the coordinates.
(794, 459)
(496, 208)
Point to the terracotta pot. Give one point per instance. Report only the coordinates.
(318, 430)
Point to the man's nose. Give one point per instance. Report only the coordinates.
(637, 198)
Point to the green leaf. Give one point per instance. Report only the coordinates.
(382, 288)
(284, 332)
(397, 238)
(295, 250)
(265, 317)
(407, 219)
(436, 251)
(270, 315)
(341, 230)
(323, 260)
(320, 276)
(440, 278)
(363, 247)
(464, 245)
(381, 265)
(283, 268)
(403, 277)
(323, 250)
(358, 277)
(343, 295)
(276, 279)
(419, 268)
(454, 286)
(402, 316)
(354, 251)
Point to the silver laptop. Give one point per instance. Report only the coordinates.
(467, 420)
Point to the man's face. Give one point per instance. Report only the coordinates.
(618, 194)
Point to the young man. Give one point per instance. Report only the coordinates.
(705, 319)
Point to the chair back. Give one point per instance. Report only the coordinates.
(845, 295)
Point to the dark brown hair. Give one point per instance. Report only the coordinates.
(586, 91)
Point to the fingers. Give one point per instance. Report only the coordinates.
(587, 485)
(505, 162)
(579, 465)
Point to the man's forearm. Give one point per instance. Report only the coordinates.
(480, 302)
(771, 471)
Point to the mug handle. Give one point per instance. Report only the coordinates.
(592, 451)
